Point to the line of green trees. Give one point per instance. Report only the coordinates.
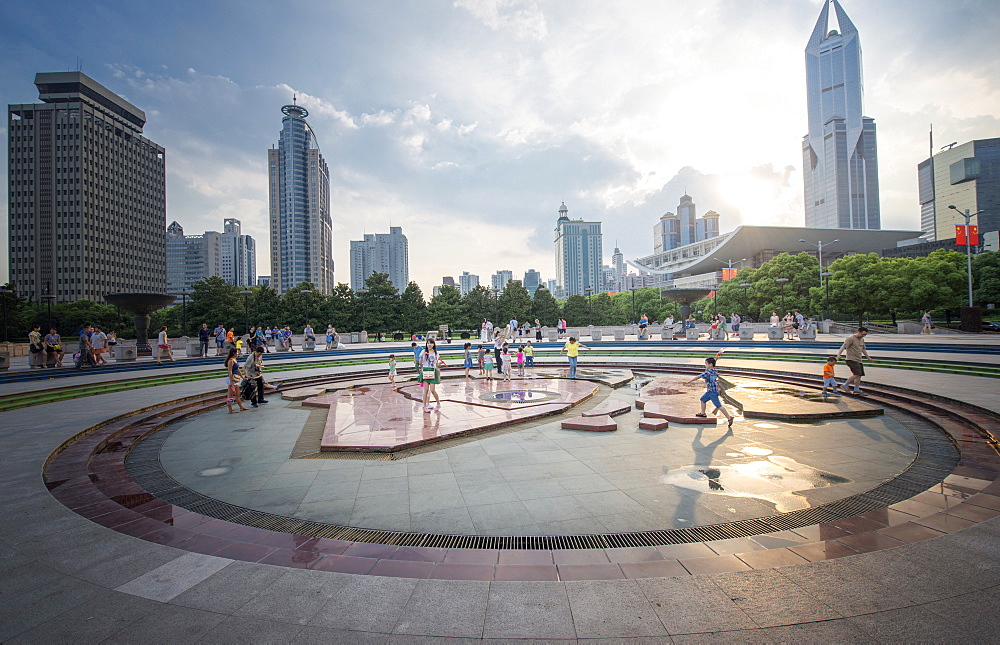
(861, 286)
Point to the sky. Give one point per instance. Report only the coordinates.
(468, 122)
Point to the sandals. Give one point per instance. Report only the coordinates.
(701, 415)
(731, 419)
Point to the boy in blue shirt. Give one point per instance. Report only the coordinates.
(711, 378)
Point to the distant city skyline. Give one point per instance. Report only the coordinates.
(464, 121)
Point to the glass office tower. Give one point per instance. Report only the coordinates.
(840, 159)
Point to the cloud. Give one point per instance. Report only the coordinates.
(523, 19)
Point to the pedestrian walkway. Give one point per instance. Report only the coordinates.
(63, 577)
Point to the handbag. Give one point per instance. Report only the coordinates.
(428, 373)
(35, 349)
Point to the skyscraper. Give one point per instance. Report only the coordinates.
(532, 280)
(839, 156)
(500, 279)
(618, 269)
(467, 282)
(687, 215)
(578, 255)
(237, 256)
(301, 227)
(383, 253)
(666, 233)
(87, 193)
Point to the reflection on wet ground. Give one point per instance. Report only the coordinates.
(776, 479)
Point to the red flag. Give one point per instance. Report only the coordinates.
(728, 273)
(960, 238)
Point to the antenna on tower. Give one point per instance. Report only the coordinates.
(293, 99)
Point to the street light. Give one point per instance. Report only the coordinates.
(633, 304)
(746, 298)
(364, 307)
(48, 306)
(184, 315)
(496, 307)
(3, 296)
(590, 303)
(819, 247)
(246, 308)
(968, 244)
(827, 275)
(306, 293)
(782, 282)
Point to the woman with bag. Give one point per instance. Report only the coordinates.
(233, 379)
(53, 346)
(35, 346)
(430, 374)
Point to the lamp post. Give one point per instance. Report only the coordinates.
(715, 299)
(590, 305)
(184, 315)
(48, 307)
(819, 247)
(968, 244)
(306, 293)
(364, 307)
(633, 305)
(746, 298)
(826, 312)
(496, 307)
(3, 297)
(246, 308)
(782, 282)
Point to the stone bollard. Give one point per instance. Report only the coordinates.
(619, 334)
(746, 333)
(775, 333)
(553, 335)
(4, 360)
(280, 347)
(308, 345)
(124, 353)
(363, 337)
(667, 333)
(193, 349)
(691, 333)
(595, 334)
(807, 334)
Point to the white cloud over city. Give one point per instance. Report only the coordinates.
(467, 123)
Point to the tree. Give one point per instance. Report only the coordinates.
(299, 307)
(341, 309)
(412, 308)
(603, 310)
(265, 306)
(576, 311)
(479, 303)
(380, 306)
(545, 308)
(514, 302)
(445, 308)
(986, 278)
(214, 301)
(858, 285)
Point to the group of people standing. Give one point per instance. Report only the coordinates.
(263, 337)
(791, 324)
(252, 373)
(47, 351)
(514, 329)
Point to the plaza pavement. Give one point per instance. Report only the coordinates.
(65, 579)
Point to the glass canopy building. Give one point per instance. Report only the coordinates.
(301, 227)
(840, 160)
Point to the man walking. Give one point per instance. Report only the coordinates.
(203, 335)
(254, 368)
(220, 338)
(854, 345)
(86, 351)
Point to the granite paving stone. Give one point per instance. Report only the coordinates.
(535, 610)
(612, 609)
(445, 608)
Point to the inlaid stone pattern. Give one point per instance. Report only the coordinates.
(387, 418)
(759, 399)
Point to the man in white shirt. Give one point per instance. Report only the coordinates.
(99, 341)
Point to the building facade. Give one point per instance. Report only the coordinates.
(299, 196)
(966, 176)
(673, 231)
(381, 253)
(82, 182)
(238, 255)
(467, 282)
(532, 280)
(578, 247)
(839, 154)
(501, 279)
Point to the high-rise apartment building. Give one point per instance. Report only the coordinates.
(381, 253)
(578, 255)
(531, 282)
(87, 193)
(839, 155)
(500, 279)
(238, 255)
(666, 233)
(301, 226)
(467, 282)
(229, 255)
(191, 258)
(448, 280)
(966, 176)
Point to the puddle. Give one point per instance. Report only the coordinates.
(754, 450)
(766, 426)
(213, 472)
(776, 479)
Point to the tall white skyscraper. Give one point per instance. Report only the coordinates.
(467, 282)
(578, 255)
(301, 227)
(238, 255)
(839, 155)
(382, 253)
(500, 279)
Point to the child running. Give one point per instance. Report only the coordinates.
(829, 381)
(711, 377)
(392, 368)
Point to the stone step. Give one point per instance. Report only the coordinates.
(653, 424)
(658, 411)
(610, 408)
(591, 424)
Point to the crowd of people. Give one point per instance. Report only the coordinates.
(264, 337)
(47, 351)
